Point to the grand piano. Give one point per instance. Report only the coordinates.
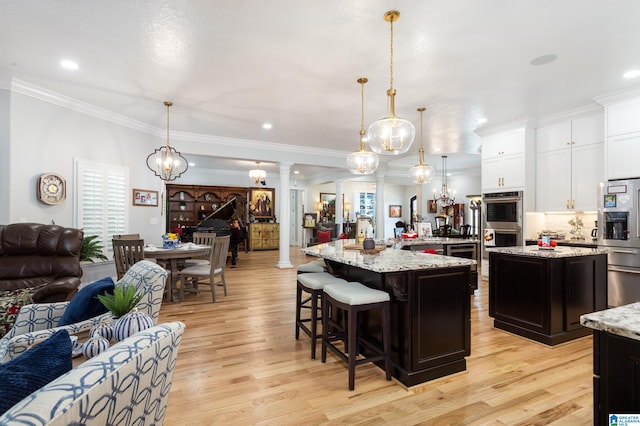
(218, 222)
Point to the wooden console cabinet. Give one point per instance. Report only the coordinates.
(264, 236)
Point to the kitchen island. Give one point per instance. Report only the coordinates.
(430, 305)
(616, 365)
(540, 294)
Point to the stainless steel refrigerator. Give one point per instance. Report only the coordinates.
(619, 233)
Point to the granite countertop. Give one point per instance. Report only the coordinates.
(436, 240)
(557, 252)
(623, 321)
(387, 260)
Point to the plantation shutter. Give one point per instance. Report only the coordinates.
(101, 207)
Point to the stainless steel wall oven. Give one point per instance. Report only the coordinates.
(502, 220)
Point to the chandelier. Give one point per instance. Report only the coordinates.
(165, 162)
(421, 173)
(363, 161)
(444, 198)
(258, 175)
(391, 135)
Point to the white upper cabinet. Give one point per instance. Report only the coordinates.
(623, 139)
(569, 164)
(504, 165)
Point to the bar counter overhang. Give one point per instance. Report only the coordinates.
(430, 305)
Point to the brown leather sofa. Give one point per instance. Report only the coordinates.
(33, 254)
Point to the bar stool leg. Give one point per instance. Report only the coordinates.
(352, 324)
(325, 328)
(314, 322)
(298, 309)
(386, 337)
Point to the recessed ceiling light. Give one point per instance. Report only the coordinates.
(296, 172)
(68, 64)
(192, 164)
(481, 120)
(267, 126)
(544, 59)
(631, 74)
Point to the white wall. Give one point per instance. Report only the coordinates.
(5, 160)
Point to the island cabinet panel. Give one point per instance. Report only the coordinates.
(616, 382)
(430, 319)
(542, 298)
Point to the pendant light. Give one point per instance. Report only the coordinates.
(363, 161)
(421, 173)
(391, 135)
(165, 162)
(445, 198)
(258, 175)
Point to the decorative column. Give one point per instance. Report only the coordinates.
(285, 216)
(338, 209)
(380, 205)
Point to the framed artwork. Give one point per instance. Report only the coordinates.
(395, 210)
(262, 203)
(432, 206)
(145, 197)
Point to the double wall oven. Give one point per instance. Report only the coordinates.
(502, 220)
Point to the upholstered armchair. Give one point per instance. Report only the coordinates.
(46, 257)
(128, 384)
(36, 322)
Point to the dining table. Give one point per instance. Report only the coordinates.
(172, 257)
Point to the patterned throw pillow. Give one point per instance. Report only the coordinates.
(10, 303)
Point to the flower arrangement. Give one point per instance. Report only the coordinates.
(170, 240)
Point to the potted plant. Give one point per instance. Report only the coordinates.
(91, 249)
(121, 301)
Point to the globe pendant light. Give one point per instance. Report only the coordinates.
(165, 162)
(391, 135)
(421, 173)
(444, 197)
(363, 161)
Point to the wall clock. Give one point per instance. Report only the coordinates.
(51, 188)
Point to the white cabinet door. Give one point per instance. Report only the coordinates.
(588, 171)
(513, 142)
(553, 181)
(623, 156)
(623, 117)
(552, 138)
(491, 170)
(587, 130)
(491, 146)
(513, 171)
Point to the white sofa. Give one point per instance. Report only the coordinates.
(37, 322)
(126, 385)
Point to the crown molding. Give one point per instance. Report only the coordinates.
(618, 96)
(568, 115)
(45, 95)
(521, 123)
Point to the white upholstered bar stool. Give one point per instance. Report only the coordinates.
(317, 265)
(354, 298)
(311, 283)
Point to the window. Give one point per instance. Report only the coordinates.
(101, 201)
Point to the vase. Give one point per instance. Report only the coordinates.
(130, 324)
(104, 329)
(368, 244)
(94, 346)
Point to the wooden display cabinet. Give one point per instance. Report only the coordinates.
(187, 205)
(264, 236)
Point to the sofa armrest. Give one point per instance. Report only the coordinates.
(11, 347)
(38, 316)
(57, 291)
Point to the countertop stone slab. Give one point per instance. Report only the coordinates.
(557, 252)
(388, 260)
(623, 321)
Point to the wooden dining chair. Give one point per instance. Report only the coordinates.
(214, 270)
(126, 252)
(201, 239)
(126, 236)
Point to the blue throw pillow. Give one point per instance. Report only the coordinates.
(84, 304)
(34, 368)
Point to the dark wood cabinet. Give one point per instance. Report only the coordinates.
(542, 298)
(616, 380)
(187, 205)
(430, 319)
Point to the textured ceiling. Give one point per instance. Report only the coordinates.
(229, 66)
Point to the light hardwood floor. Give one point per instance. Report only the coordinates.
(240, 364)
